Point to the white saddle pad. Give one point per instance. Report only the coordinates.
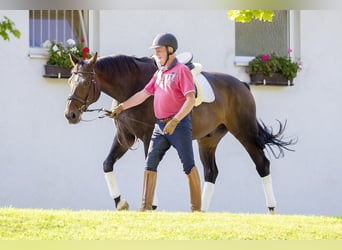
(205, 92)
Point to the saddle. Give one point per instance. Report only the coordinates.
(204, 91)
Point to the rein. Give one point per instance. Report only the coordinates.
(106, 113)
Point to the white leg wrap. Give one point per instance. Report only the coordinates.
(207, 193)
(155, 198)
(112, 184)
(268, 190)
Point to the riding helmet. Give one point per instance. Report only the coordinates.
(165, 39)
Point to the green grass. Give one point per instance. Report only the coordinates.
(36, 224)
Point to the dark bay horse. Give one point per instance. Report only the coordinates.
(232, 111)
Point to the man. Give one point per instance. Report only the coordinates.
(174, 97)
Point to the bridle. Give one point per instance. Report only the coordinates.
(85, 102)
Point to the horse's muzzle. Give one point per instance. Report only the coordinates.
(72, 117)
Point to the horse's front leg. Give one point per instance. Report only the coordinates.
(116, 152)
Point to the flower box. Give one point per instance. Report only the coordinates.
(55, 71)
(59, 64)
(274, 79)
(270, 69)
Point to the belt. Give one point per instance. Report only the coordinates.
(165, 120)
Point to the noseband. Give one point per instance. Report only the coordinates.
(85, 102)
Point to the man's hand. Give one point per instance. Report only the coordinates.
(170, 126)
(116, 111)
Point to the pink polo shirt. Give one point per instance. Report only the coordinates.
(169, 87)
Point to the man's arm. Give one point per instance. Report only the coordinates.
(185, 109)
(134, 100)
(187, 106)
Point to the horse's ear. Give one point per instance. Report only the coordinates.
(73, 59)
(93, 59)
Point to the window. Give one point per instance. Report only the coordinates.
(258, 37)
(57, 25)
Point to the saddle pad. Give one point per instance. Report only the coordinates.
(205, 92)
(185, 57)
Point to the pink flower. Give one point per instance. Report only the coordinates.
(265, 57)
(289, 50)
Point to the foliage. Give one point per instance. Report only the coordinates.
(37, 224)
(6, 27)
(271, 63)
(246, 16)
(59, 53)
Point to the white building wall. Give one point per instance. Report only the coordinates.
(47, 163)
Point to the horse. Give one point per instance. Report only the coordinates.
(234, 111)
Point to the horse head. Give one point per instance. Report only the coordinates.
(83, 88)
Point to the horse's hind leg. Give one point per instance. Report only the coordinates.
(207, 148)
(263, 168)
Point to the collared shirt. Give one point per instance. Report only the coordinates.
(170, 86)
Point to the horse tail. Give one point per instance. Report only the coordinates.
(266, 137)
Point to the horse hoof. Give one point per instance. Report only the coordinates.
(122, 205)
(271, 210)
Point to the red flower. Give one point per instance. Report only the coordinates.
(82, 40)
(85, 52)
(265, 58)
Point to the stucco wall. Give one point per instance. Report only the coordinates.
(47, 163)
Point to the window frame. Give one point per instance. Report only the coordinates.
(293, 31)
(40, 52)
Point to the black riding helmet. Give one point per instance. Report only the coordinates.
(167, 40)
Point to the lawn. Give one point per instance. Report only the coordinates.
(36, 224)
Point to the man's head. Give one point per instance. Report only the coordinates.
(165, 45)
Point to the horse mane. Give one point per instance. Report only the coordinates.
(120, 64)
